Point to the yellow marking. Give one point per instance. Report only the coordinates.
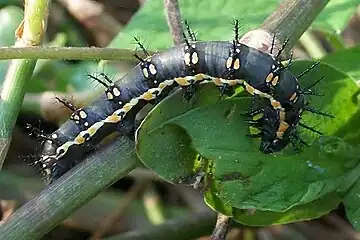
(297, 97)
(282, 115)
(257, 116)
(250, 89)
(240, 81)
(217, 81)
(237, 64)
(147, 96)
(116, 92)
(152, 69)
(145, 72)
(199, 77)
(275, 81)
(109, 96)
(232, 82)
(162, 85)
(279, 135)
(112, 119)
(229, 62)
(187, 58)
(182, 81)
(283, 126)
(79, 140)
(269, 77)
(275, 104)
(127, 107)
(195, 58)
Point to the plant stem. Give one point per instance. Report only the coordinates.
(312, 45)
(60, 199)
(292, 18)
(69, 53)
(173, 17)
(29, 33)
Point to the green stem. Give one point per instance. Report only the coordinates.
(312, 45)
(70, 192)
(69, 53)
(29, 33)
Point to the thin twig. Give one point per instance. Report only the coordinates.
(173, 17)
(69, 53)
(222, 227)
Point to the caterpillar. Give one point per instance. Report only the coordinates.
(223, 63)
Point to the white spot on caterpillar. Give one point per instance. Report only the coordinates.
(145, 72)
(237, 64)
(86, 124)
(194, 58)
(187, 59)
(54, 136)
(134, 101)
(116, 92)
(169, 82)
(229, 62)
(82, 114)
(109, 96)
(152, 69)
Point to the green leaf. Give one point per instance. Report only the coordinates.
(352, 205)
(171, 138)
(346, 60)
(212, 20)
(252, 217)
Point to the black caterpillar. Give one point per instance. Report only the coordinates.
(223, 63)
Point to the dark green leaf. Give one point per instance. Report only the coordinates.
(352, 205)
(346, 60)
